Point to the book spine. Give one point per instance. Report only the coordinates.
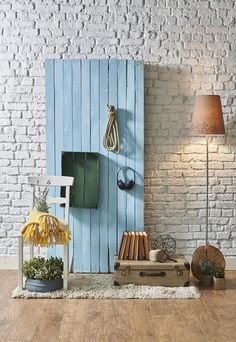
(136, 244)
(123, 246)
(146, 245)
(131, 248)
(140, 247)
(127, 246)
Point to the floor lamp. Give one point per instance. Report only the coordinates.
(207, 121)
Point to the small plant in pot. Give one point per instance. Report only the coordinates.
(219, 281)
(43, 275)
(207, 271)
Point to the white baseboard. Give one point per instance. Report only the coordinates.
(10, 263)
(230, 264)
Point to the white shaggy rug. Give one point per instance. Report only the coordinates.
(100, 286)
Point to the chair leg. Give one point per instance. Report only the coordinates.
(66, 266)
(20, 262)
(31, 251)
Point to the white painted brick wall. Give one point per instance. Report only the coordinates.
(190, 48)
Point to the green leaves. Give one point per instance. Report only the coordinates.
(219, 272)
(207, 267)
(41, 204)
(210, 268)
(40, 200)
(43, 269)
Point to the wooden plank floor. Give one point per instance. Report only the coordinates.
(211, 318)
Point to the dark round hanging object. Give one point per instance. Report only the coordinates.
(166, 243)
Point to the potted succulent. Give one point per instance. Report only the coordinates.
(43, 275)
(219, 281)
(207, 269)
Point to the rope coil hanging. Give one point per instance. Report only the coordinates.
(111, 141)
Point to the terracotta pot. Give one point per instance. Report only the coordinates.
(219, 283)
(207, 280)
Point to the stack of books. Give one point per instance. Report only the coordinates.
(134, 246)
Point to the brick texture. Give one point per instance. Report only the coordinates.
(189, 48)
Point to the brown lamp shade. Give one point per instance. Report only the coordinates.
(207, 116)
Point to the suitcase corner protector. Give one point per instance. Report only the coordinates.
(116, 265)
(187, 265)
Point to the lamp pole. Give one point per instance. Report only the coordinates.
(207, 184)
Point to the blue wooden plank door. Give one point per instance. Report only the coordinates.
(77, 94)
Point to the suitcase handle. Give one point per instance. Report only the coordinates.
(153, 274)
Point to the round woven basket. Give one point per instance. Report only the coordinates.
(206, 252)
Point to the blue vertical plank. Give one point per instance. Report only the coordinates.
(112, 190)
(86, 147)
(121, 117)
(95, 142)
(139, 145)
(104, 167)
(68, 132)
(67, 106)
(77, 147)
(130, 122)
(50, 128)
(86, 97)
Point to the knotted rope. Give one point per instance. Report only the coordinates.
(111, 140)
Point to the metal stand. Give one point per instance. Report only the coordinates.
(207, 183)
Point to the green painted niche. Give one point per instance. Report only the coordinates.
(84, 167)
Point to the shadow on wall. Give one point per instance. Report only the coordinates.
(175, 178)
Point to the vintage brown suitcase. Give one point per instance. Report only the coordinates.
(144, 272)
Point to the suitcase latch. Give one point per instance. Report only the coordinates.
(125, 271)
(178, 271)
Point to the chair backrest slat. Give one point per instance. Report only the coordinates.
(56, 200)
(54, 181)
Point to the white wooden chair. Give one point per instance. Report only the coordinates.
(51, 181)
